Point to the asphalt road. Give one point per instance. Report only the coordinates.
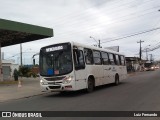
(140, 92)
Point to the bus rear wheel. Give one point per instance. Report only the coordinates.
(90, 87)
(116, 80)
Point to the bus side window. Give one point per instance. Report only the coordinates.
(79, 59)
(112, 59)
(105, 58)
(117, 59)
(88, 56)
(97, 57)
(122, 60)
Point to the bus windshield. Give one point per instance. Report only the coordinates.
(56, 60)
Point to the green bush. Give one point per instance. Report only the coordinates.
(26, 72)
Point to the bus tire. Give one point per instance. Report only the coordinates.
(90, 86)
(116, 80)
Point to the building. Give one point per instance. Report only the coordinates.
(8, 67)
(134, 64)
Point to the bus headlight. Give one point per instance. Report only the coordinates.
(67, 80)
(43, 82)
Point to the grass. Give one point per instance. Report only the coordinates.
(6, 82)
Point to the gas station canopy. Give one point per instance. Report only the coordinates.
(12, 32)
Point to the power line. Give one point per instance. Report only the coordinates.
(155, 24)
(13, 56)
(59, 19)
(18, 54)
(91, 27)
(94, 27)
(156, 47)
(83, 22)
(133, 35)
(108, 10)
(99, 25)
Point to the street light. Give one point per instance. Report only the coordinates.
(146, 48)
(96, 41)
(151, 57)
(147, 53)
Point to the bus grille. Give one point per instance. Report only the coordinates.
(55, 78)
(53, 83)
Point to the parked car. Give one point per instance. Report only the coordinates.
(156, 67)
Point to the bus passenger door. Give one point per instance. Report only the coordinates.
(79, 66)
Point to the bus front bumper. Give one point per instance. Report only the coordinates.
(56, 88)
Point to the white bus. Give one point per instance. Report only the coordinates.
(72, 66)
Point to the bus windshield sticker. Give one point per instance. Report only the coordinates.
(56, 72)
(50, 72)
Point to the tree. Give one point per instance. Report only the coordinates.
(23, 71)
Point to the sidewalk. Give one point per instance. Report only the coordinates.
(134, 73)
(29, 87)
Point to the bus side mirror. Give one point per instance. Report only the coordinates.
(33, 61)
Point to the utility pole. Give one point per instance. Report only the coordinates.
(99, 44)
(146, 54)
(21, 54)
(140, 50)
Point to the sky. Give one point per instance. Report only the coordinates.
(77, 20)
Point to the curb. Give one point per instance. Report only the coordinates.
(25, 97)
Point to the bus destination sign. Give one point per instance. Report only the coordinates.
(51, 49)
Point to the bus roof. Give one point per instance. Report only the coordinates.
(95, 48)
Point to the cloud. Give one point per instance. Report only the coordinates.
(76, 20)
